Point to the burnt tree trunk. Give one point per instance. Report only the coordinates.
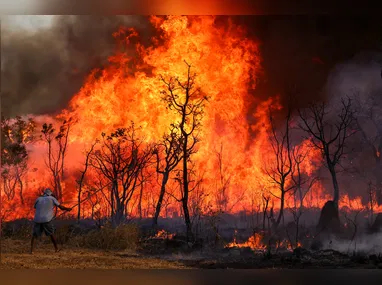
(186, 190)
(79, 205)
(160, 199)
(336, 191)
(265, 212)
(281, 213)
(332, 170)
(378, 175)
(21, 188)
(114, 188)
(119, 215)
(57, 186)
(140, 202)
(80, 182)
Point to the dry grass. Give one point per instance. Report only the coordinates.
(15, 255)
(121, 238)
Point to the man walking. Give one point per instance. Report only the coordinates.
(44, 214)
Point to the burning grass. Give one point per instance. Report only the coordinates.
(257, 243)
(127, 247)
(254, 242)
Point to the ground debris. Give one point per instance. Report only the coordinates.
(299, 258)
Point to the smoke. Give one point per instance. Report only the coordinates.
(42, 69)
(364, 244)
(301, 51)
(360, 76)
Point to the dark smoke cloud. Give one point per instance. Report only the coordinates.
(360, 74)
(303, 50)
(42, 70)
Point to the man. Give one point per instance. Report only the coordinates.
(44, 215)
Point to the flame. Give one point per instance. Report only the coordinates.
(255, 242)
(227, 63)
(162, 234)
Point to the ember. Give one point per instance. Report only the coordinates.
(162, 234)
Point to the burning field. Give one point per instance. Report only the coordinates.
(178, 138)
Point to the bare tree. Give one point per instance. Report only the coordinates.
(372, 197)
(328, 136)
(372, 190)
(120, 160)
(265, 209)
(369, 123)
(198, 203)
(57, 147)
(255, 211)
(303, 184)
(223, 184)
(280, 168)
(187, 101)
(15, 135)
(168, 155)
(354, 223)
(144, 178)
(80, 181)
(93, 200)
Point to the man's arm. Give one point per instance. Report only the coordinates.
(60, 206)
(64, 208)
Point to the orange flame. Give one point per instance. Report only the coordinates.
(227, 64)
(255, 242)
(162, 234)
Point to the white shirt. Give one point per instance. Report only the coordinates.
(45, 208)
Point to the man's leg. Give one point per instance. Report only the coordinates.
(53, 239)
(49, 231)
(32, 244)
(37, 231)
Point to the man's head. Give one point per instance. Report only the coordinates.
(48, 192)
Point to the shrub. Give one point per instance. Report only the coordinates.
(119, 238)
(20, 229)
(63, 233)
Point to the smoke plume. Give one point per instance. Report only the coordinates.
(41, 70)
